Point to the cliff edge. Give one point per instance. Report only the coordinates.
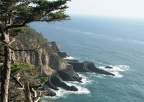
(32, 48)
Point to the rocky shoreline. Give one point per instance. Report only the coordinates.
(45, 69)
(69, 73)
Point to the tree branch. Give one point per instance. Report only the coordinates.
(18, 81)
(15, 26)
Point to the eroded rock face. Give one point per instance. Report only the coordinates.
(45, 57)
(55, 46)
(39, 58)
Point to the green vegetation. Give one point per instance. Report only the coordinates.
(42, 79)
(26, 69)
(29, 39)
(38, 37)
(19, 66)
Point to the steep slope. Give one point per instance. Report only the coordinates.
(44, 57)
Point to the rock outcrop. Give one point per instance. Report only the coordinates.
(62, 54)
(69, 74)
(55, 47)
(88, 67)
(55, 81)
(109, 67)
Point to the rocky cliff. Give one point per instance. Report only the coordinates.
(48, 59)
(31, 47)
(43, 55)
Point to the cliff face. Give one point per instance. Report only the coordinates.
(48, 59)
(45, 56)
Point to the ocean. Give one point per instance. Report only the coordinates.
(105, 42)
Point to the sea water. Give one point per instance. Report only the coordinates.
(105, 42)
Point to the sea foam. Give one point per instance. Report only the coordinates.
(71, 58)
(81, 88)
(116, 69)
(85, 79)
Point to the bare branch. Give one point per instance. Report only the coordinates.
(16, 79)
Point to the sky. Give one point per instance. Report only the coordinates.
(107, 8)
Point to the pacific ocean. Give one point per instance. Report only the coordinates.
(105, 42)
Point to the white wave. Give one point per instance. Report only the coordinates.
(117, 75)
(116, 70)
(59, 93)
(120, 68)
(81, 88)
(70, 58)
(84, 80)
(63, 93)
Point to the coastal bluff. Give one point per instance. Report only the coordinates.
(50, 62)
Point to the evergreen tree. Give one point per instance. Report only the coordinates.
(17, 13)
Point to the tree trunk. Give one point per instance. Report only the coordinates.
(6, 74)
(6, 70)
(27, 93)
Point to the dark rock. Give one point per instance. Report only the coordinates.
(62, 54)
(72, 61)
(56, 81)
(51, 93)
(73, 88)
(79, 67)
(50, 85)
(54, 46)
(46, 91)
(69, 74)
(108, 67)
(89, 67)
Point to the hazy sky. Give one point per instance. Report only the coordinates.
(111, 8)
